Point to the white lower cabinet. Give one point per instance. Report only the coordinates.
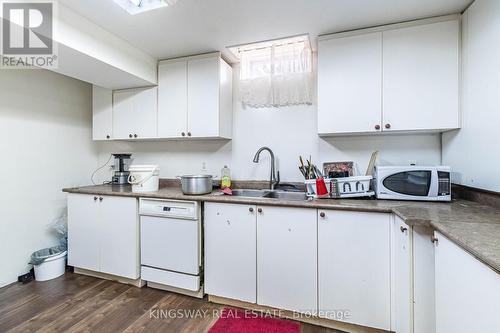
(467, 291)
(403, 303)
(354, 267)
(103, 234)
(287, 258)
(414, 307)
(230, 251)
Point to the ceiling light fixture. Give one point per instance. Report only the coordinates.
(140, 6)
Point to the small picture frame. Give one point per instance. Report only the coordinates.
(338, 169)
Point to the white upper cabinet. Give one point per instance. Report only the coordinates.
(102, 113)
(135, 113)
(195, 97)
(350, 84)
(172, 99)
(402, 78)
(421, 77)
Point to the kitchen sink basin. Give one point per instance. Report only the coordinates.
(292, 196)
(250, 193)
(268, 194)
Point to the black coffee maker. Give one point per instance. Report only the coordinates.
(121, 173)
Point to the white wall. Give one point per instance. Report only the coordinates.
(289, 132)
(474, 151)
(45, 145)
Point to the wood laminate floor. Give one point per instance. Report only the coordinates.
(79, 303)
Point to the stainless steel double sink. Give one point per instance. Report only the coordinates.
(268, 194)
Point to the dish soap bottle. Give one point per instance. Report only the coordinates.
(225, 178)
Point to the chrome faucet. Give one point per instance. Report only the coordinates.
(273, 181)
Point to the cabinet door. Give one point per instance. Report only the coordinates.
(135, 113)
(203, 97)
(230, 251)
(102, 113)
(424, 296)
(119, 230)
(172, 99)
(421, 77)
(467, 291)
(287, 258)
(354, 266)
(145, 113)
(350, 84)
(84, 234)
(402, 277)
(124, 117)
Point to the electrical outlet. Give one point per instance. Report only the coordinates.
(203, 166)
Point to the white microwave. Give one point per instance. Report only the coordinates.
(431, 183)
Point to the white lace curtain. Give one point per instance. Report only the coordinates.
(278, 75)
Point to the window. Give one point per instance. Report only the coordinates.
(139, 6)
(276, 73)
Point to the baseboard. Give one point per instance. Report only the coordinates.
(332, 324)
(134, 282)
(197, 294)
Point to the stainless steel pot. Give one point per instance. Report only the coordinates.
(196, 184)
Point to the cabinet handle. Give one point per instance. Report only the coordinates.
(183, 134)
(434, 240)
(259, 210)
(100, 198)
(250, 210)
(403, 229)
(130, 135)
(95, 198)
(377, 127)
(189, 133)
(387, 126)
(108, 136)
(322, 214)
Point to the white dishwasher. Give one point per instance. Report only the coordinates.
(171, 245)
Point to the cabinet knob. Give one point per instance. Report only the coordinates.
(250, 210)
(108, 136)
(377, 127)
(100, 198)
(259, 210)
(322, 214)
(403, 229)
(130, 135)
(95, 198)
(183, 134)
(387, 126)
(135, 135)
(434, 240)
(189, 133)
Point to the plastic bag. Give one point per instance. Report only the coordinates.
(40, 256)
(60, 227)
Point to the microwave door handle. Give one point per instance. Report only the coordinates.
(433, 190)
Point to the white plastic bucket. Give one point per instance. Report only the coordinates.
(51, 268)
(144, 178)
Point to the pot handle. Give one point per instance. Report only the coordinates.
(178, 177)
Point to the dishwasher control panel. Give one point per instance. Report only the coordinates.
(170, 208)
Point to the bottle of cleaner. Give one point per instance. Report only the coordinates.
(225, 178)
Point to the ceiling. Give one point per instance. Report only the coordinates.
(198, 26)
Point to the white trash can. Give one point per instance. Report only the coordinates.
(53, 265)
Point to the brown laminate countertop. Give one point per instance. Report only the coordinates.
(471, 225)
